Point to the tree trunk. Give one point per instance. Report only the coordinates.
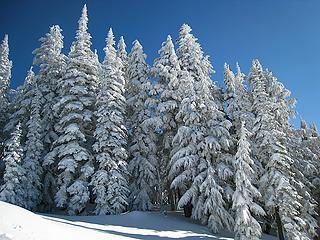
(187, 209)
(171, 200)
(279, 224)
(267, 225)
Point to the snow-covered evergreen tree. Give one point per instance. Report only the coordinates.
(192, 59)
(307, 150)
(246, 226)
(21, 105)
(166, 69)
(13, 189)
(32, 162)
(142, 140)
(281, 183)
(262, 108)
(52, 63)
(71, 154)
(202, 139)
(109, 182)
(5, 76)
(193, 175)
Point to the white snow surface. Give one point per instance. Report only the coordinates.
(19, 224)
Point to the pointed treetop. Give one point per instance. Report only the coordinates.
(4, 49)
(5, 41)
(122, 44)
(229, 78)
(83, 21)
(167, 47)
(228, 73)
(239, 76)
(256, 70)
(136, 44)
(185, 28)
(82, 43)
(137, 49)
(109, 49)
(226, 67)
(5, 64)
(239, 73)
(256, 65)
(51, 46)
(110, 38)
(137, 52)
(55, 31)
(122, 53)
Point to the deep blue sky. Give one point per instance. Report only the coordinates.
(284, 35)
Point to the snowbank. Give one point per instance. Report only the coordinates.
(19, 224)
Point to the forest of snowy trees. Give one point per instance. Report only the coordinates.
(88, 137)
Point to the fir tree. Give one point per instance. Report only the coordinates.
(281, 183)
(246, 226)
(142, 146)
(13, 189)
(192, 174)
(192, 59)
(71, 154)
(166, 69)
(203, 136)
(21, 105)
(307, 150)
(5, 76)
(110, 180)
(52, 63)
(32, 162)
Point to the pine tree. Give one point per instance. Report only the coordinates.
(166, 69)
(192, 59)
(142, 141)
(262, 108)
(13, 189)
(71, 154)
(21, 105)
(193, 174)
(246, 226)
(203, 136)
(5, 76)
(307, 150)
(52, 63)
(32, 162)
(110, 180)
(280, 183)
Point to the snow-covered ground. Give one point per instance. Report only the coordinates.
(19, 224)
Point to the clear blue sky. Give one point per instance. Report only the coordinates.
(283, 34)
